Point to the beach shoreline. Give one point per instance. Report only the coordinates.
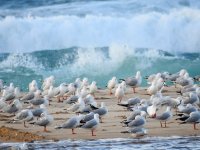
(110, 128)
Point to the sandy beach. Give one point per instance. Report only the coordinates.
(110, 128)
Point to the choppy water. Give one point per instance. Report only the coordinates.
(159, 143)
(98, 64)
(97, 39)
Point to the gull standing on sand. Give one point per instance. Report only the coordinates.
(33, 86)
(193, 98)
(17, 93)
(11, 87)
(139, 121)
(78, 83)
(28, 96)
(50, 92)
(88, 117)
(123, 84)
(102, 111)
(62, 90)
(194, 118)
(26, 115)
(36, 102)
(44, 120)
(133, 114)
(111, 84)
(14, 107)
(93, 88)
(137, 132)
(89, 99)
(151, 110)
(119, 93)
(187, 109)
(84, 92)
(71, 90)
(31, 96)
(184, 80)
(167, 115)
(77, 107)
(49, 81)
(134, 82)
(92, 124)
(131, 102)
(152, 89)
(153, 77)
(84, 82)
(9, 96)
(38, 111)
(72, 123)
(72, 99)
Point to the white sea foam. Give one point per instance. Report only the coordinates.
(174, 31)
(20, 60)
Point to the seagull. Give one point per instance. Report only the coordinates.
(139, 121)
(153, 89)
(85, 82)
(49, 81)
(89, 100)
(77, 106)
(133, 114)
(134, 82)
(72, 123)
(63, 89)
(136, 132)
(33, 87)
(92, 124)
(193, 118)
(17, 92)
(25, 115)
(111, 84)
(102, 111)
(119, 93)
(38, 111)
(14, 107)
(167, 115)
(187, 109)
(131, 102)
(71, 90)
(50, 92)
(88, 117)
(31, 95)
(40, 101)
(84, 92)
(151, 110)
(28, 96)
(123, 84)
(193, 98)
(71, 99)
(93, 88)
(44, 120)
(77, 83)
(184, 80)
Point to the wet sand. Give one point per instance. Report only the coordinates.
(110, 128)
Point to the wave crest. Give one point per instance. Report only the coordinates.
(176, 31)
